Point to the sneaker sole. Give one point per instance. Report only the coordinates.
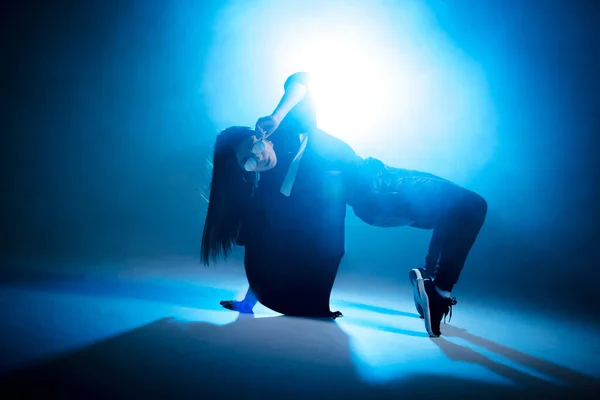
(424, 302)
(413, 276)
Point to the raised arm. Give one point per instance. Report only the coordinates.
(296, 90)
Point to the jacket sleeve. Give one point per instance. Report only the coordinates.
(303, 117)
(302, 78)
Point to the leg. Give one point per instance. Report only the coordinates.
(455, 215)
(433, 255)
(431, 263)
(459, 230)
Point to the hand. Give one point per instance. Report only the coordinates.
(239, 306)
(267, 125)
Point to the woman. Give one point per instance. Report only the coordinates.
(389, 197)
(294, 242)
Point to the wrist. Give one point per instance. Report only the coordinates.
(277, 116)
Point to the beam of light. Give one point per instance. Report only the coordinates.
(387, 79)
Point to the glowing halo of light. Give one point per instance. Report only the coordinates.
(386, 78)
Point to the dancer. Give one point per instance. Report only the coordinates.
(390, 197)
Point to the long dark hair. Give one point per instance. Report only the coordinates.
(230, 192)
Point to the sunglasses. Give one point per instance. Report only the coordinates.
(251, 163)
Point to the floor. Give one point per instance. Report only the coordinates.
(142, 328)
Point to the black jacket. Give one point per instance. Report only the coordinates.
(294, 244)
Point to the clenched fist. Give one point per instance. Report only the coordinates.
(267, 125)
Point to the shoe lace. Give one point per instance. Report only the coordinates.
(448, 313)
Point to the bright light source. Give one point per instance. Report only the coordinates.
(386, 78)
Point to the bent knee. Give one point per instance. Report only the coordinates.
(477, 205)
(481, 207)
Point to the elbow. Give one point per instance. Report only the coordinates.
(301, 78)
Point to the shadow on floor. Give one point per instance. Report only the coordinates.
(563, 381)
(376, 309)
(276, 357)
(566, 376)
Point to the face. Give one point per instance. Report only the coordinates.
(256, 153)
